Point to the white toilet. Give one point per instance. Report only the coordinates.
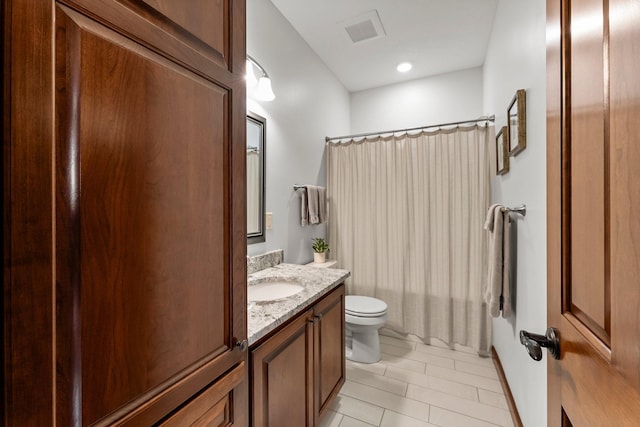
(363, 317)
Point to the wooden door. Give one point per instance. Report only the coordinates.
(282, 377)
(593, 165)
(329, 357)
(124, 221)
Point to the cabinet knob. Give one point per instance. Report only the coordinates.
(315, 319)
(242, 345)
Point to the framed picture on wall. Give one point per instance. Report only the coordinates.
(517, 123)
(502, 152)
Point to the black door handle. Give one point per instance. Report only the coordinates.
(534, 343)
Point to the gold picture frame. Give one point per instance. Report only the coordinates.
(517, 123)
(502, 151)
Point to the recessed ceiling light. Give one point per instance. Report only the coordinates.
(403, 67)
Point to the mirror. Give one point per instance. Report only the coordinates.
(256, 137)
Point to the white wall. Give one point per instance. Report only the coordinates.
(438, 99)
(516, 60)
(310, 104)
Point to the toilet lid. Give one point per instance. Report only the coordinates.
(361, 306)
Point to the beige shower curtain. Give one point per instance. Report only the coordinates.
(406, 217)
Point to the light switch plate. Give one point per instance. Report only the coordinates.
(268, 220)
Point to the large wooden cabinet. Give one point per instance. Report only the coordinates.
(296, 372)
(124, 212)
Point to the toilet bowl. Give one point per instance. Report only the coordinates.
(363, 317)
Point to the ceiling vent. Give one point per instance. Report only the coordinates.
(364, 27)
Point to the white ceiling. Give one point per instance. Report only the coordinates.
(437, 36)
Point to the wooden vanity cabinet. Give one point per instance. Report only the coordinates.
(329, 357)
(282, 376)
(296, 373)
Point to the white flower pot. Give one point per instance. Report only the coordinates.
(319, 258)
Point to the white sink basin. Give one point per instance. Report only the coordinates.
(273, 290)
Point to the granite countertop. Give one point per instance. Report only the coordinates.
(264, 317)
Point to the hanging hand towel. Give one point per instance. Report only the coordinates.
(495, 226)
(322, 205)
(506, 266)
(312, 201)
(304, 208)
(313, 205)
(317, 204)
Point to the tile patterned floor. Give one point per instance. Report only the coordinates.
(418, 385)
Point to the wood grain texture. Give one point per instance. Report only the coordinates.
(299, 368)
(195, 17)
(150, 214)
(212, 407)
(28, 268)
(139, 22)
(5, 119)
(624, 47)
(593, 393)
(587, 174)
(282, 375)
(329, 350)
(124, 221)
(594, 382)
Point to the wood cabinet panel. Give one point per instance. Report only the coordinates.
(589, 204)
(282, 374)
(298, 371)
(146, 140)
(27, 231)
(204, 36)
(329, 356)
(125, 276)
(203, 19)
(211, 408)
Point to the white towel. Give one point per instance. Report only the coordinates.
(497, 293)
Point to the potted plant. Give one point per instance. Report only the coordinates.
(320, 249)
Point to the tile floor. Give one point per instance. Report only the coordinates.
(418, 385)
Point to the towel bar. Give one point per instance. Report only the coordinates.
(522, 210)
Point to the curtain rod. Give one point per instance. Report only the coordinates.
(481, 119)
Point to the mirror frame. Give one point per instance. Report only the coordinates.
(259, 236)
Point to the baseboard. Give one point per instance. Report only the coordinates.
(515, 416)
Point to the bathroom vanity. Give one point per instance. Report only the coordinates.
(296, 352)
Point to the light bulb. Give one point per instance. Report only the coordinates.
(404, 67)
(264, 92)
(252, 82)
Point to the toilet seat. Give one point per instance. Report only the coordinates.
(361, 306)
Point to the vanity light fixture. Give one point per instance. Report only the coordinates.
(403, 67)
(259, 89)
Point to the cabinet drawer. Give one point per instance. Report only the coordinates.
(211, 408)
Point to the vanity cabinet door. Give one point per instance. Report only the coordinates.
(283, 377)
(297, 372)
(329, 357)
